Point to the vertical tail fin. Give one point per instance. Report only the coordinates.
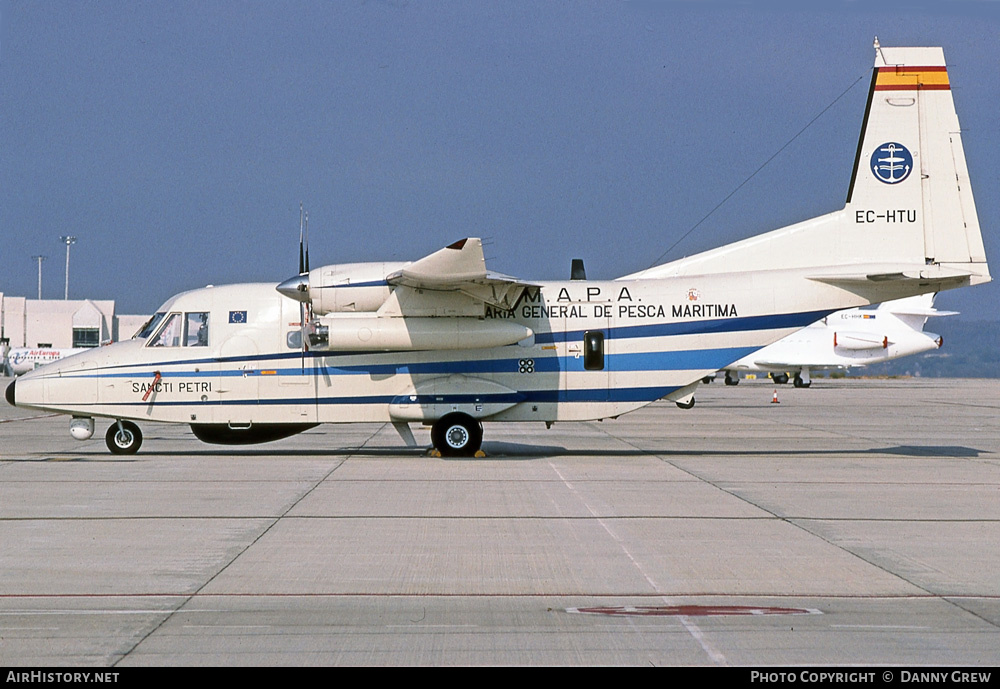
(909, 213)
(910, 171)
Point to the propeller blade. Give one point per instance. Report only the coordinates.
(302, 263)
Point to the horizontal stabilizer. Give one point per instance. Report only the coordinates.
(924, 313)
(935, 277)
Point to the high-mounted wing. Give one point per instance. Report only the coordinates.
(461, 267)
(437, 302)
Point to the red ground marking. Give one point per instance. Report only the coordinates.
(692, 610)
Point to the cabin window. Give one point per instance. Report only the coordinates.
(593, 350)
(294, 339)
(150, 326)
(196, 329)
(170, 334)
(86, 337)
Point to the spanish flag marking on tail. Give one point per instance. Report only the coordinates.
(912, 79)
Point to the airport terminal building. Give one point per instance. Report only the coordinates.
(58, 323)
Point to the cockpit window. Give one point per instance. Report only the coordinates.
(147, 329)
(181, 330)
(196, 329)
(170, 334)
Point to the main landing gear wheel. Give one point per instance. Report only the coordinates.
(779, 378)
(125, 440)
(457, 435)
(799, 383)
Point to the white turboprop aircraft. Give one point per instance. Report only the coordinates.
(446, 343)
(853, 337)
(20, 360)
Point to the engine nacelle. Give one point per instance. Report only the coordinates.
(344, 287)
(350, 287)
(859, 341)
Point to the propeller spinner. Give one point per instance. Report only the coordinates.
(296, 288)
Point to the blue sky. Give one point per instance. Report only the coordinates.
(176, 140)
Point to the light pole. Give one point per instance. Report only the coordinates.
(39, 259)
(68, 241)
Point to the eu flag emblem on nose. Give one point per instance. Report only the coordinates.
(237, 316)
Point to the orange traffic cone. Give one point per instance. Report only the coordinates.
(774, 400)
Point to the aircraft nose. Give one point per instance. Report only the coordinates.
(296, 288)
(9, 394)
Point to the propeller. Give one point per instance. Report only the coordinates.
(303, 242)
(297, 288)
(304, 306)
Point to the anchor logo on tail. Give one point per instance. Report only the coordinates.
(891, 163)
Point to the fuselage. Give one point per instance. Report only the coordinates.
(232, 355)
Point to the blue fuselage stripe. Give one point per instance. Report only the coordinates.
(684, 360)
(636, 394)
(701, 327)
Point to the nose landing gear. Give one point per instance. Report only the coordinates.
(123, 438)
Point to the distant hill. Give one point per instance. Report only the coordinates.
(971, 350)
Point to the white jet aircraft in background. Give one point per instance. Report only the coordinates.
(444, 342)
(854, 337)
(20, 360)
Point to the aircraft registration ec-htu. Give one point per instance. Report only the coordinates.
(444, 342)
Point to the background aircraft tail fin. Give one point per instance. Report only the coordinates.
(914, 311)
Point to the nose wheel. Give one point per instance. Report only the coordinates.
(123, 438)
(457, 435)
